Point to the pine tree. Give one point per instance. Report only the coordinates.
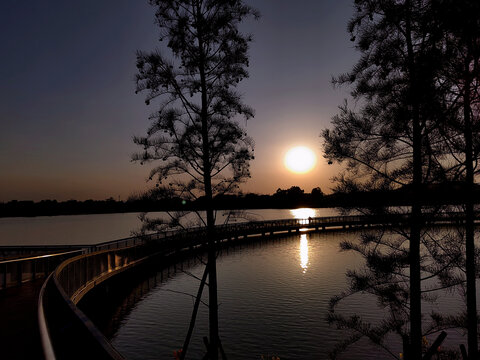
(392, 140)
(195, 139)
(461, 81)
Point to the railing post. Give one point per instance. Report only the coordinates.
(19, 273)
(85, 266)
(4, 276)
(34, 270)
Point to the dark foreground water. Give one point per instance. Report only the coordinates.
(273, 300)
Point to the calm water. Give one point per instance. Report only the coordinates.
(93, 229)
(273, 295)
(273, 301)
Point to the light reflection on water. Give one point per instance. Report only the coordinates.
(304, 214)
(304, 252)
(267, 305)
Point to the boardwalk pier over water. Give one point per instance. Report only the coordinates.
(67, 333)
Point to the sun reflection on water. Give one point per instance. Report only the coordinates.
(304, 252)
(303, 214)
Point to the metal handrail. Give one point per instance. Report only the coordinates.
(72, 279)
(39, 257)
(46, 341)
(14, 272)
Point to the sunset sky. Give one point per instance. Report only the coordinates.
(68, 108)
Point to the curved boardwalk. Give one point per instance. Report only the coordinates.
(76, 276)
(19, 337)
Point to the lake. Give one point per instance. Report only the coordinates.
(273, 294)
(273, 298)
(97, 228)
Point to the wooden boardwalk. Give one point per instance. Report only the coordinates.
(19, 336)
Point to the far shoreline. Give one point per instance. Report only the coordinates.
(293, 198)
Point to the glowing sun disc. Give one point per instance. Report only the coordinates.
(300, 160)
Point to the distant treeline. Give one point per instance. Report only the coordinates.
(290, 198)
(293, 197)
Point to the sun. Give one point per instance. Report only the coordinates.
(300, 160)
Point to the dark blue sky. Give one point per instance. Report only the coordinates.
(68, 109)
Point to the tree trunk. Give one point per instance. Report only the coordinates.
(416, 216)
(212, 250)
(415, 288)
(469, 225)
(415, 238)
(186, 343)
(207, 178)
(212, 287)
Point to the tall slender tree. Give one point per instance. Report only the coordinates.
(199, 147)
(391, 141)
(461, 79)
